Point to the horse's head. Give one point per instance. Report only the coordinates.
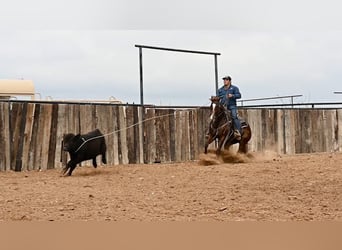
(216, 107)
(215, 99)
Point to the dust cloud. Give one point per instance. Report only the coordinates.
(232, 157)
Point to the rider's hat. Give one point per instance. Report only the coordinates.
(227, 78)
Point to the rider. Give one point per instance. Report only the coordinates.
(228, 94)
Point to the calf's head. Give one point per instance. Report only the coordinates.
(71, 142)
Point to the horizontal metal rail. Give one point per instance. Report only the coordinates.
(310, 104)
(90, 102)
(178, 50)
(270, 98)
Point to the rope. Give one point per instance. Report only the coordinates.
(116, 131)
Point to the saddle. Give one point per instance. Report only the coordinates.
(243, 122)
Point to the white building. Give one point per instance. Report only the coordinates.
(14, 89)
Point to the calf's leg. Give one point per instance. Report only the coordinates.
(70, 166)
(103, 153)
(94, 162)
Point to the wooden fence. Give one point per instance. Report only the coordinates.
(31, 133)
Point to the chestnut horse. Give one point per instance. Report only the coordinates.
(221, 128)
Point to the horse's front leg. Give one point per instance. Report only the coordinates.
(220, 144)
(210, 139)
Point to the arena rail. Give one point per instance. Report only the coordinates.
(31, 132)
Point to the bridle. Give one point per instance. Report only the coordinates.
(215, 116)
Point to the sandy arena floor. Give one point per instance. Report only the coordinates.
(261, 187)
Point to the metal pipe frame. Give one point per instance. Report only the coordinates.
(215, 54)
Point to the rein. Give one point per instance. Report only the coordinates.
(217, 120)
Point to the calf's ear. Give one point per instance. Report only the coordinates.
(75, 138)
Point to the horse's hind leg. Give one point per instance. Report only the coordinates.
(243, 145)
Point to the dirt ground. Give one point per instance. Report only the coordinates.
(261, 187)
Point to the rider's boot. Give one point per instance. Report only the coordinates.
(237, 135)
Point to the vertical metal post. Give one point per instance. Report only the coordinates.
(216, 75)
(141, 78)
(142, 110)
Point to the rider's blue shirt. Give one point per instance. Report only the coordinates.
(223, 94)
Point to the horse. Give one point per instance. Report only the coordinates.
(221, 128)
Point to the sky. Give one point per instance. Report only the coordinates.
(86, 49)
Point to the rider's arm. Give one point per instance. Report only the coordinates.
(236, 93)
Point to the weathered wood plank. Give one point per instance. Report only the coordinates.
(111, 138)
(87, 118)
(5, 137)
(158, 142)
(203, 126)
(185, 149)
(303, 132)
(62, 128)
(45, 135)
(298, 131)
(136, 134)
(162, 135)
(270, 129)
(53, 138)
(254, 117)
(329, 130)
(123, 135)
(194, 134)
(280, 135)
(318, 135)
(338, 130)
(39, 135)
(14, 132)
(28, 135)
(141, 134)
(290, 132)
(21, 131)
(74, 119)
(130, 134)
(149, 136)
(178, 139)
(172, 133)
(34, 139)
(3, 148)
(115, 127)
